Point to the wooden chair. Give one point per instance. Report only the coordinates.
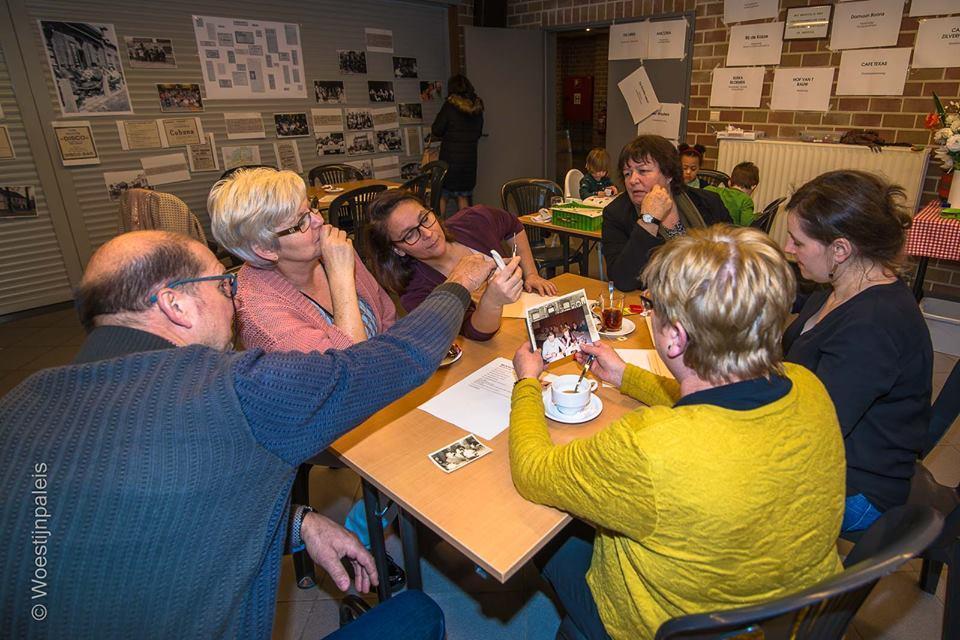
(349, 212)
(333, 174)
(710, 178)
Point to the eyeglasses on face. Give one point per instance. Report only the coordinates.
(427, 219)
(303, 223)
(227, 283)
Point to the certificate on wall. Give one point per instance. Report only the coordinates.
(873, 72)
(179, 132)
(139, 134)
(802, 88)
(932, 7)
(75, 142)
(203, 157)
(667, 39)
(638, 91)
(166, 169)
(871, 23)
(628, 41)
(807, 22)
(738, 87)
(755, 44)
(665, 121)
(288, 155)
(938, 43)
(743, 10)
(243, 126)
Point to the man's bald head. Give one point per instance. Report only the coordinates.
(124, 272)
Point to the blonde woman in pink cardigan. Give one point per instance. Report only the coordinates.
(303, 287)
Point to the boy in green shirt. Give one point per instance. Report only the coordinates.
(736, 198)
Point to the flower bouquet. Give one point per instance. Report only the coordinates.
(945, 123)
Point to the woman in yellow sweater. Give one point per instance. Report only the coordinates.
(728, 489)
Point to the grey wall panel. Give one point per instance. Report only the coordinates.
(420, 31)
(32, 269)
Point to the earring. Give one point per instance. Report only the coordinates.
(398, 252)
(833, 270)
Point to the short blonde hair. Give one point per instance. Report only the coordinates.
(248, 205)
(598, 160)
(731, 288)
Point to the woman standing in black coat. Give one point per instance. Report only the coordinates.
(459, 126)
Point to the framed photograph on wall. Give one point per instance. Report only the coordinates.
(807, 23)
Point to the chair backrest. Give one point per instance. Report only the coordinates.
(571, 183)
(230, 172)
(419, 185)
(142, 209)
(765, 220)
(711, 178)
(945, 410)
(528, 195)
(333, 174)
(349, 212)
(438, 171)
(824, 610)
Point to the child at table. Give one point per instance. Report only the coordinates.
(736, 198)
(596, 180)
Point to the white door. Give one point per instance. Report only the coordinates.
(506, 66)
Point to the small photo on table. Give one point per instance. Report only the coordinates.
(460, 453)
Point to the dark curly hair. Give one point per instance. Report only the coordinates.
(659, 150)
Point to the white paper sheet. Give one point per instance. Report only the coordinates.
(180, 132)
(203, 157)
(288, 155)
(239, 156)
(938, 43)
(737, 87)
(518, 309)
(638, 91)
(647, 359)
(743, 10)
(243, 125)
(873, 72)
(386, 167)
(379, 40)
(870, 23)
(170, 167)
(75, 142)
(628, 41)
(480, 403)
(663, 122)
(385, 118)
(807, 22)
(7, 151)
(802, 88)
(117, 182)
(932, 7)
(755, 44)
(327, 120)
(666, 39)
(139, 134)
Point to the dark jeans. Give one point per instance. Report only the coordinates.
(564, 565)
(411, 615)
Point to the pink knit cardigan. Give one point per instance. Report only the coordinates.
(273, 315)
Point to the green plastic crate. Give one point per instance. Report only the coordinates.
(577, 216)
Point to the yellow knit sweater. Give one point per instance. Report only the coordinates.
(698, 507)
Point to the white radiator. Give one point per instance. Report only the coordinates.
(787, 165)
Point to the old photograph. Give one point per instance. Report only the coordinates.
(180, 98)
(331, 144)
(410, 112)
(463, 451)
(329, 91)
(359, 119)
(359, 143)
(404, 67)
(291, 125)
(389, 140)
(560, 326)
(380, 91)
(18, 202)
(409, 170)
(365, 167)
(150, 53)
(120, 181)
(84, 59)
(352, 62)
(431, 91)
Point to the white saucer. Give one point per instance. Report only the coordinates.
(332, 189)
(590, 412)
(626, 329)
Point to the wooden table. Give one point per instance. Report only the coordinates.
(476, 508)
(326, 197)
(565, 234)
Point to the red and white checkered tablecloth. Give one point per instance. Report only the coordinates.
(933, 236)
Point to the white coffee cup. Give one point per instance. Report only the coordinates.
(565, 399)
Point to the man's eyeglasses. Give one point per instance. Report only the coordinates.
(227, 284)
(412, 237)
(304, 222)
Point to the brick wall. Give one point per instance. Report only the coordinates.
(897, 119)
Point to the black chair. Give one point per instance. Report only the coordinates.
(711, 178)
(418, 186)
(230, 172)
(823, 611)
(333, 174)
(438, 171)
(765, 220)
(529, 195)
(349, 212)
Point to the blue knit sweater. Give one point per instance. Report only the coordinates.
(145, 493)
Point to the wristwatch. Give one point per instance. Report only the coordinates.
(296, 541)
(649, 219)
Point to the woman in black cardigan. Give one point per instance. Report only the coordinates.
(654, 207)
(459, 126)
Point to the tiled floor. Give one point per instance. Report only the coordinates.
(478, 607)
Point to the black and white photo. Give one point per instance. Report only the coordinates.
(180, 98)
(380, 91)
(389, 140)
(410, 112)
(404, 67)
(460, 453)
(150, 53)
(352, 62)
(364, 166)
(120, 181)
(359, 119)
(359, 143)
(18, 202)
(331, 144)
(291, 125)
(84, 60)
(409, 170)
(329, 91)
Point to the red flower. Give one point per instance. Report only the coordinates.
(932, 121)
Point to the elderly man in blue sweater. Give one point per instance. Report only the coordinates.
(144, 490)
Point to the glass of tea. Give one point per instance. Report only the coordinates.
(611, 311)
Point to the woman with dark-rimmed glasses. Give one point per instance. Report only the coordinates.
(412, 251)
